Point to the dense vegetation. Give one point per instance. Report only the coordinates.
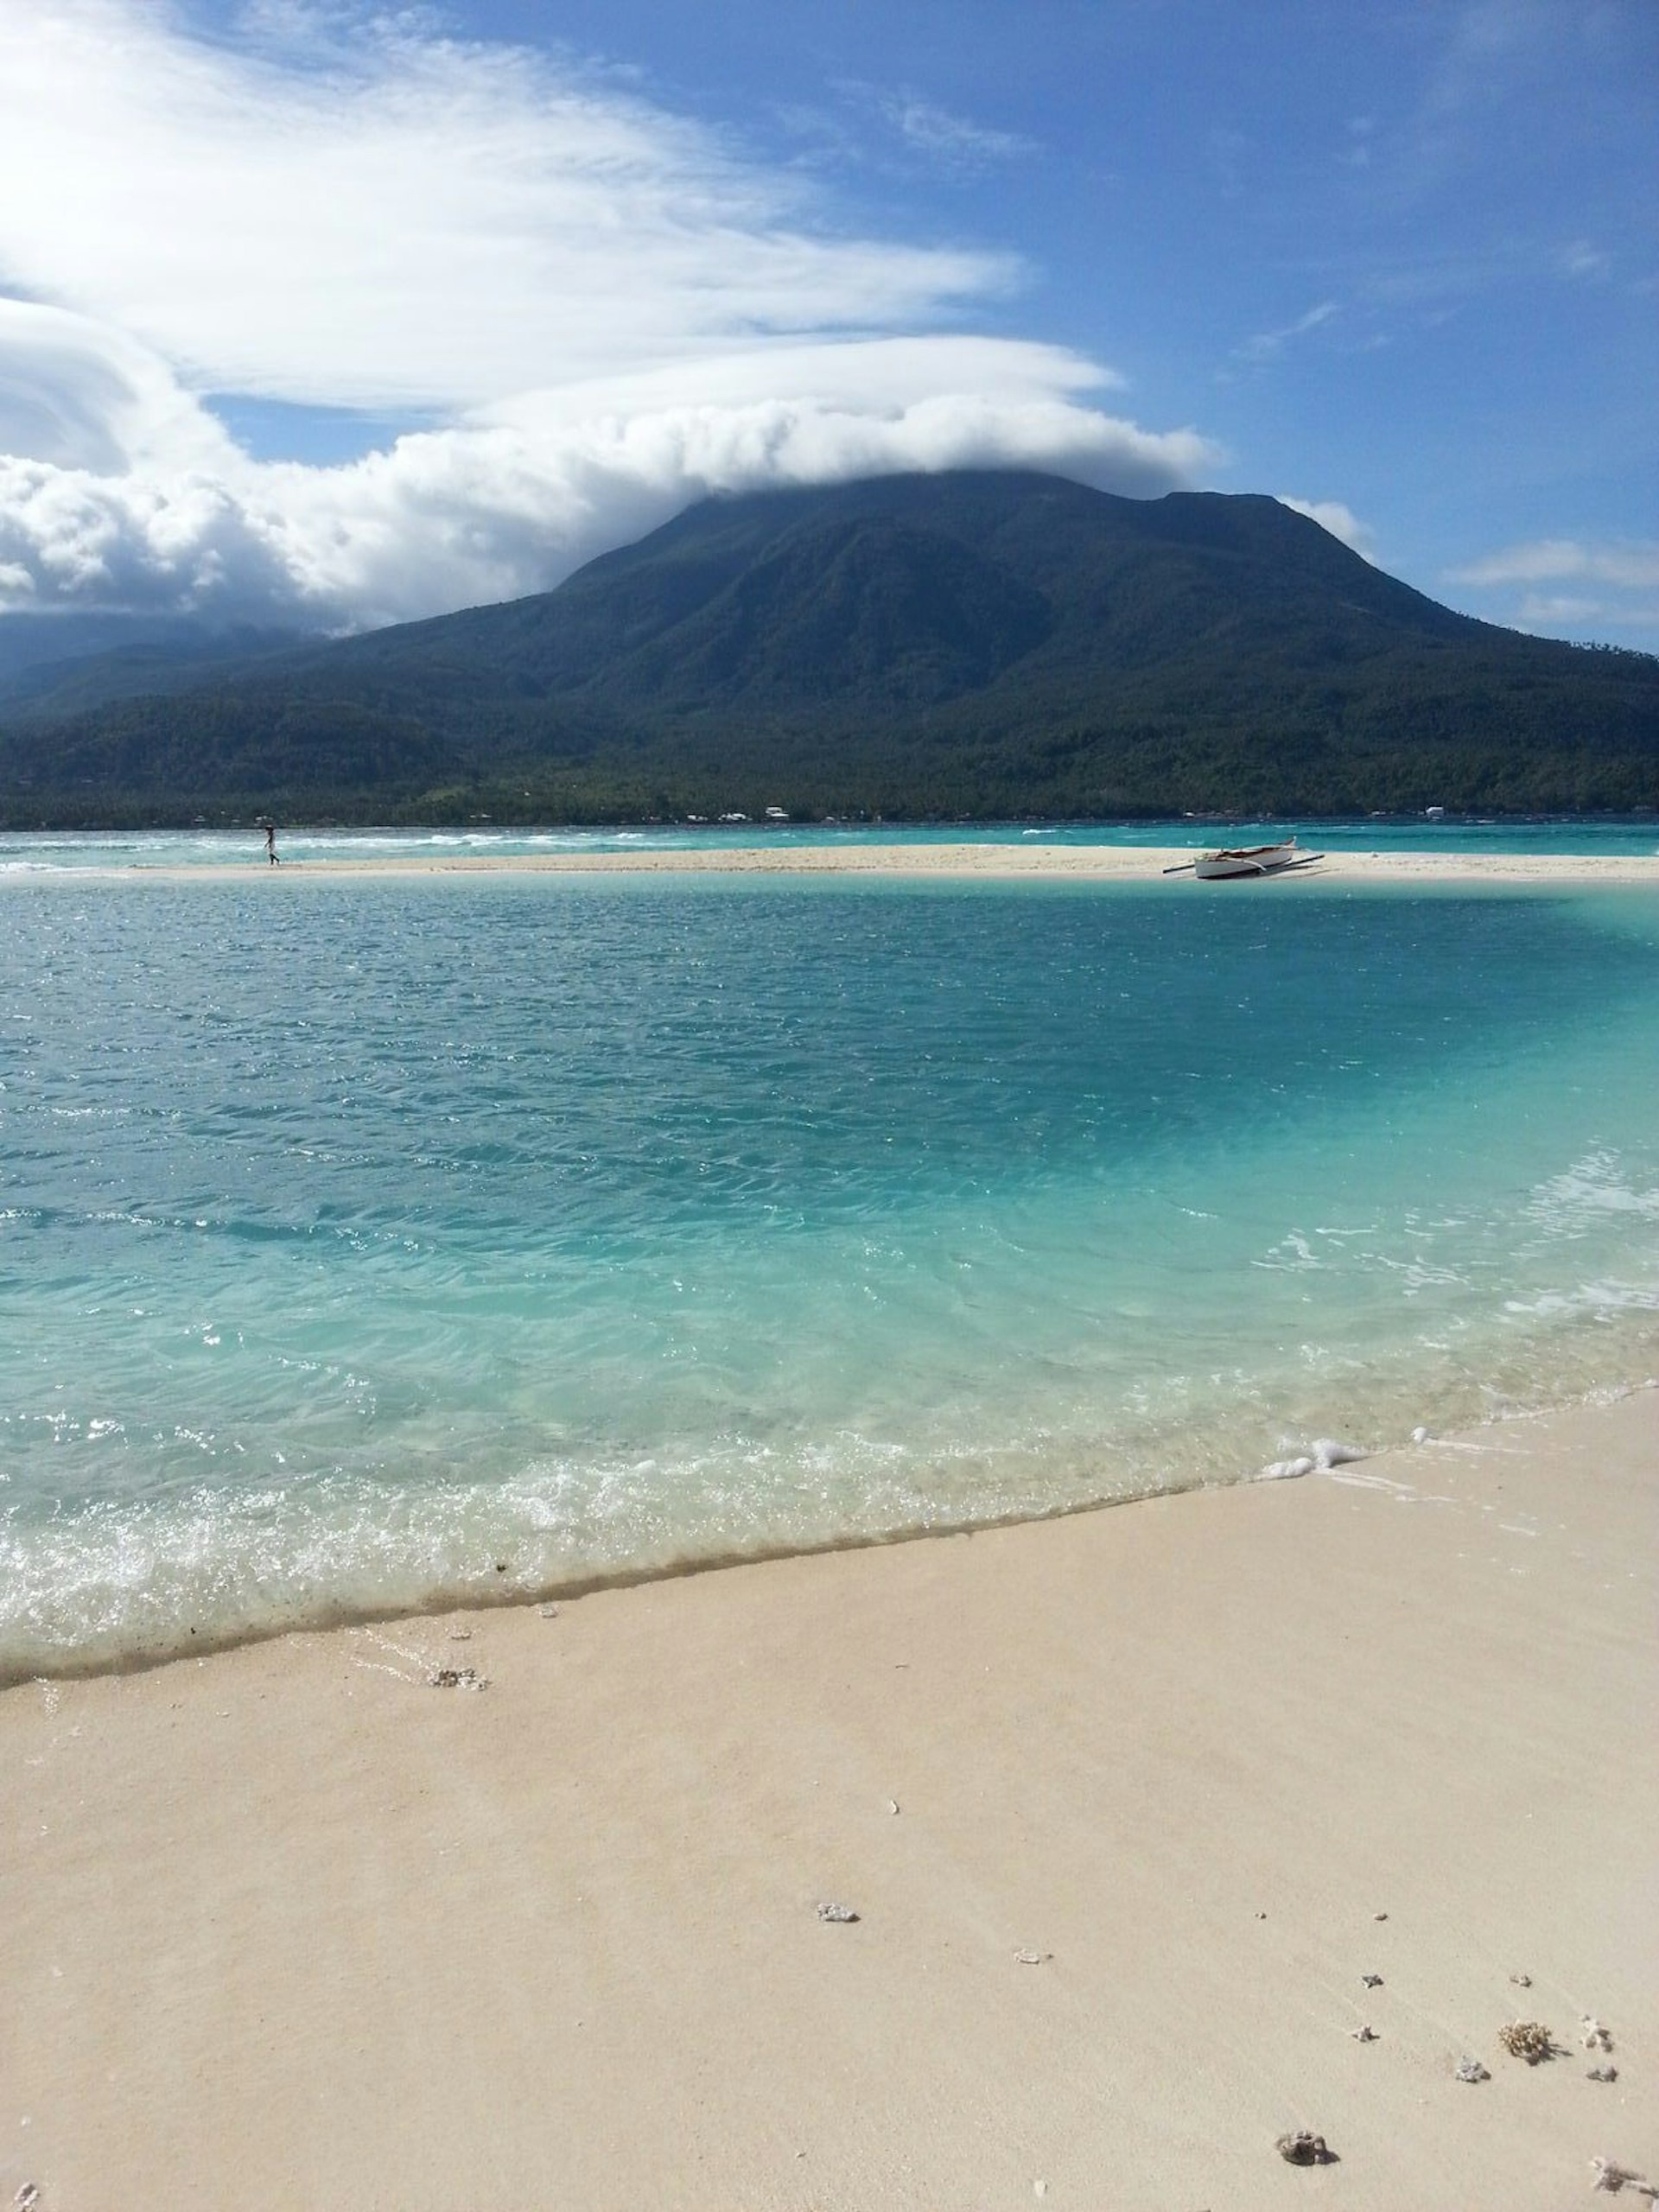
(970, 645)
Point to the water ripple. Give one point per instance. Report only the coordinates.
(349, 1244)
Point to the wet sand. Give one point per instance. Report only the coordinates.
(293, 1927)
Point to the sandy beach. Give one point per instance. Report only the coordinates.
(1003, 862)
(1132, 1808)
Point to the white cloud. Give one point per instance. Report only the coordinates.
(402, 219)
(78, 394)
(1268, 343)
(1341, 521)
(1553, 612)
(1584, 260)
(867, 373)
(1571, 584)
(1631, 564)
(858, 128)
(512, 497)
(606, 312)
(951, 138)
(1559, 607)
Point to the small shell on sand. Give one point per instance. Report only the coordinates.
(843, 1915)
(1032, 1958)
(1372, 1980)
(1522, 1981)
(1363, 2034)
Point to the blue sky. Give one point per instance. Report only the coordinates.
(342, 314)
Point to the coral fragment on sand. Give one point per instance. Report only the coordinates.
(1528, 2039)
(1302, 2149)
(456, 1678)
(843, 1915)
(1595, 2037)
(1470, 2069)
(1613, 2178)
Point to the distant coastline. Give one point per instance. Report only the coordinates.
(973, 642)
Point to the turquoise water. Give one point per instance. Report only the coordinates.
(30, 853)
(451, 1238)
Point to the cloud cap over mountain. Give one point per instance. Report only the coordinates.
(351, 309)
(601, 311)
(134, 496)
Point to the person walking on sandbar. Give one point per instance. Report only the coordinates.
(271, 842)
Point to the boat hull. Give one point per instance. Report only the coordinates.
(1245, 860)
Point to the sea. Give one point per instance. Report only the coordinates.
(379, 1246)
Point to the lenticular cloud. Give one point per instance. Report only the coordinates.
(605, 311)
(118, 490)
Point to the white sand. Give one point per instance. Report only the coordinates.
(1086, 863)
(289, 1928)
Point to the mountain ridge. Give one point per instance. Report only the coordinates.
(965, 643)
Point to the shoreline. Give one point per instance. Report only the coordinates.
(1063, 864)
(290, 1926)
(187, 1643)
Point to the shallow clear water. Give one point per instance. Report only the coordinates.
(50, 852)
(352, 1244)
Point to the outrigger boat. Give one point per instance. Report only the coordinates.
(1246, 860)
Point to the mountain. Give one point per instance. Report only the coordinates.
(969, 643)
(52, 666)
(29, 641)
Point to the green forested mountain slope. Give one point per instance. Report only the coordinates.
(964, 643)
